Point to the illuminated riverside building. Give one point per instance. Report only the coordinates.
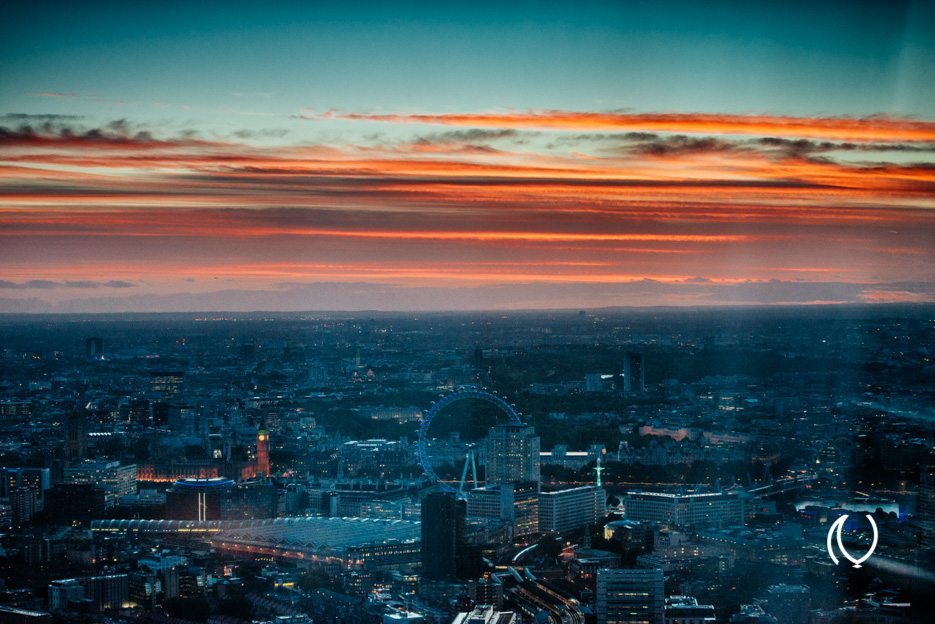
(171, 471)
(717, 509)
(564, 510)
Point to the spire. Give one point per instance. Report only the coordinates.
(598, 469)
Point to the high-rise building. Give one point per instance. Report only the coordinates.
(94, 348)
(573, 508)
(38, 479)
(627, 596)
(634, 373)
(512, 454)
(443, 524)
(23, 505)
(927, 505)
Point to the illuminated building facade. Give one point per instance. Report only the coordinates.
(113, 477)
(512, 454)
(716, 509)
(564, 510)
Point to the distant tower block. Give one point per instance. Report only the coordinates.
(262, 453)
(94, 348)
(634, 372)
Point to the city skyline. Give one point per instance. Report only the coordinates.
(413, 158)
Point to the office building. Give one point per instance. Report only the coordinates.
(443, 523)
(634, 373)
(927, 505)
(113, 477)
(717, 509)
(100, 593)
(627, 596)
(686, 610)
(166, 383)
(64, 593)
(37, 479)
(512, 454)
(516, 503)
(573, 508)
(23, 505)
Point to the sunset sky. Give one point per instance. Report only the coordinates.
(276, 156)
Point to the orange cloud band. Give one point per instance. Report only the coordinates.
(873, 128)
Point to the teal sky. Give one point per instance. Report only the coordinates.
(252, 65)
(305, 156)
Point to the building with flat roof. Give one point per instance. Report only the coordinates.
(573, 508)
(716, 509)
(113, 477)
(686, 610)
(485, 614)
(628, 595)
(516, 503)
